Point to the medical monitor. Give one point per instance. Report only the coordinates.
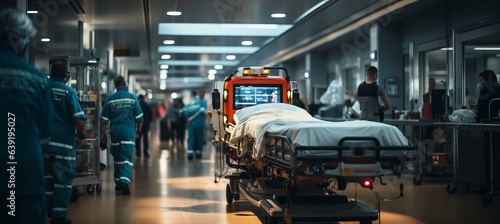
(249, 95)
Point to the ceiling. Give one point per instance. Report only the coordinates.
(131, 30)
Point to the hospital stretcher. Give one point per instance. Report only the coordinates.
(295, 167)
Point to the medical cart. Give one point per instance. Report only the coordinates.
(86, 81)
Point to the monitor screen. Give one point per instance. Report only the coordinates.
(249, 95)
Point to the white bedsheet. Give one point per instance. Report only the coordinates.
(305, 130)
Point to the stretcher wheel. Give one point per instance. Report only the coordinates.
(487, 199)
(90, 189)
(229, 194)
(98, 188)
(417, 179)
(75, 194)
(451, 188)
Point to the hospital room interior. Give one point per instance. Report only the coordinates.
(283, 140)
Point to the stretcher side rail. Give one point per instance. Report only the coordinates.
(280, 152)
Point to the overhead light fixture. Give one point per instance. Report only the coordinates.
(207, 49)
(212, 71)
(92, 61)
(163, 72)
(373, 55)
(198, 63)
(32, 12)
(45, 40)
(166, 57)
(104, 85)
(163, 86)
(230, 57)
(163, 76)
(163, 66)
(211, 76)
(222, 29)
(246, 43)
(278, 15)
(218, 67)
(487, 48)
(447, 49)
(306, 74)
(174, 95)
(174, 13)
(169, 42)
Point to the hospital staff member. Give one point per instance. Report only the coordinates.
(124, 115)
(368, 94)
(25, 124)
(194, 111)
(60, 157)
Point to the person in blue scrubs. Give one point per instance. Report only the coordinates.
(194, 111)
(26, 123)
(60, 157)
(124, 115)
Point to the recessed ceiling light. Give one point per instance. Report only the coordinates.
(163, 76)
(169, 42)
(163, 86)
(218, 67)
(163, 66)
(174, 13)
(211, 76)
(212, 71)
(278, 15)
(230, 57)
(163, 71)
(246, 43)
(447, 49)
(32, 12)
(45, 40)
(165, 56)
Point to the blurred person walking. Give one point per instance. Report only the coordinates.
(144, 135)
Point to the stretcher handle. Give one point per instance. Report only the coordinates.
(358, 138)
(287, 77)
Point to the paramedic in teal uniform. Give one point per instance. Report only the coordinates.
(60, 157)
(194, 111)
(25, 124)
(124, 114)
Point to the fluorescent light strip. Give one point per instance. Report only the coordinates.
(172, 73)
(207, 49)
(197, 63)
(487, 48)
(224, 29)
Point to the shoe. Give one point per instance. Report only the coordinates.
(60, 221)
(102, 166)
(198, 155)
(123, 188)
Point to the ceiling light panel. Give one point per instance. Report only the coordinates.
(207, 49)
(197, 63)
(221, 29)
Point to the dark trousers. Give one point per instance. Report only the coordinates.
(28, 209)
(145, 142)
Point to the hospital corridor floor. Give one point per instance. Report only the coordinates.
(169, 189)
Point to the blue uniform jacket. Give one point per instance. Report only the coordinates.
(190, 109)
(26, 110)
(123, 111)
(67, 110)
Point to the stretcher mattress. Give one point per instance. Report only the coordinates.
(304, 130)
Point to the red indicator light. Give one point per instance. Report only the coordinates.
(367, 183)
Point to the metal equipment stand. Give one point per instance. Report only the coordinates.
(86, 81)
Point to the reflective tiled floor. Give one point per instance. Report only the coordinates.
(169, 189)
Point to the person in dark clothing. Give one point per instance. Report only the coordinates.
(488, 89)
(368, 95)
(144, 136)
